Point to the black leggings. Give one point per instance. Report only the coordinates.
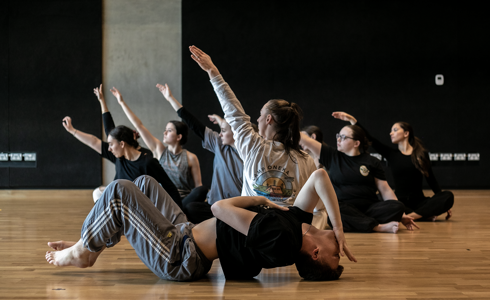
(430, 206)
(197, 195)
(363, 215)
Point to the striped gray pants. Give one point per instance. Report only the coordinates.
(153, 224)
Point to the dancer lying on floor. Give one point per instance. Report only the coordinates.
(245, 236)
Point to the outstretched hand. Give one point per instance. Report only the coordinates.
(165, 90)
(99, 94)
(344, 250)
(204, 61)
(408, 222)
(344, 117)
(118, 95)
(67, 124)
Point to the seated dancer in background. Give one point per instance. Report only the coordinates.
(181, 165)
(274, 165)
(227, 165)
(356, 177)
(248, 233)
(122, 149)
(409, 164)
(108, 126)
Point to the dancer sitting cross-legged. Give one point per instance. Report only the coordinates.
(248, 233)
(356, 177)
(410, 163)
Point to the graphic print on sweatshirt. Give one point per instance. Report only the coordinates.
(274, 184)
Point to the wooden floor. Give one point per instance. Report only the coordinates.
(443, 260)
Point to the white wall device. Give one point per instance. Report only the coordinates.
(439, 79)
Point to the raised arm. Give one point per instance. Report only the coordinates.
(246, 139)
(232, 211)
(156, 146)
(309, 144)
(319, 188)
(167, 93)
(100, 97)
(88, 139)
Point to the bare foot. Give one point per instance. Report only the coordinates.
(449, 214)
(77, 256)
(391, 227)
(60, 245)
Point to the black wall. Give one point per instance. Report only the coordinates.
(51, 59)
(374, 59)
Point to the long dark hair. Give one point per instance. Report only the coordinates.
(419, 157)
(359, 134)
(287, 116)
(181, 128)
(124, 134)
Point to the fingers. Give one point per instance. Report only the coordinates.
(350, 256)
(413, 223)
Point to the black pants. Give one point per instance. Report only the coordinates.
(197, 195)
(430, 206)
(198, 212)
(363, 215)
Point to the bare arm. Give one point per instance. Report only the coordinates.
(195, 168)
(309, 144)
(100, 97)
(344, 117)
(232, 211)
(156, 146)
(385, 189)
(88, 139)
(319, 188)
(167, 93)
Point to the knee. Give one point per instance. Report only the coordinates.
(320, 174)
(120, 183)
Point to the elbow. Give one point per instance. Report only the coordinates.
(216, 209)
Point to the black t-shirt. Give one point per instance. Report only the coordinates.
(353, 177)
(144, 165)
(274, 240)
(408, 179)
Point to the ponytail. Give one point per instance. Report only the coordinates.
(419, 157)
(287, 116)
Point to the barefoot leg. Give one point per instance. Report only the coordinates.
(391, 227)
(77, 256)
(61, 245)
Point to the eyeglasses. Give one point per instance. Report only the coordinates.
(343, 137)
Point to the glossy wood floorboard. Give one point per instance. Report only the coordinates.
(442, 260)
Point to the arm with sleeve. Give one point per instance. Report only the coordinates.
(382, 149)
(246, 139)
(108, 122)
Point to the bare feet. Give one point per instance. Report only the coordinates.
(391, 227)
(449, 214)
(60, 245)
(76, 255)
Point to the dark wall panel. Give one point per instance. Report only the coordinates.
(375, 60)
(4, 104)
(55, 62)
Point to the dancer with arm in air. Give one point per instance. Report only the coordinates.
(109, 124)
(260, 233)
(121, 149)
(181, 165)
(227, 177)
(356, 177)
(410, 164)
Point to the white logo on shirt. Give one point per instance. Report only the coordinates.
(364, 171)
